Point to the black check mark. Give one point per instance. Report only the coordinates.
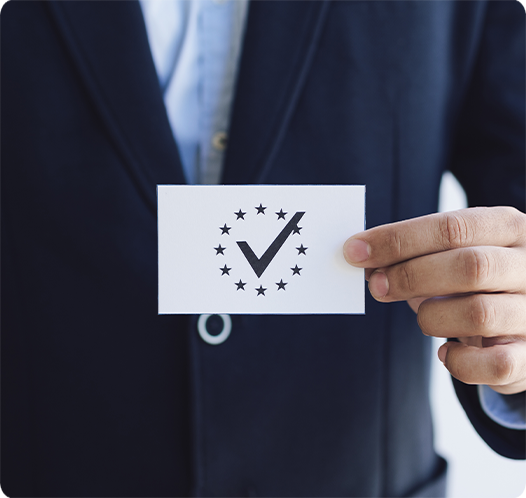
(259, 265)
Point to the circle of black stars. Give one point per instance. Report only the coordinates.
(220, 250)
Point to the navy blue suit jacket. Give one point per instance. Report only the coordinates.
(103, 397)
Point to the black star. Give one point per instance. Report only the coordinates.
(224, 229)
(296, 270)
(301, 249)
(281, 284)
(240, 214)
(261, 209)
(241, 285)
(296, 229)
(261, 290)
(281, 215)
(220, 250)
(225, 269)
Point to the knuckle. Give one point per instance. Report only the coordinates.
(483, 315)
(517, 222)
(421, 318)
(395, 244)
(458, 368)
(454, 231)
(503, 367)
(510, 212)
(408, 279)
(431, 319)
(476, 266)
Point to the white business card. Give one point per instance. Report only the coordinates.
(259, 249)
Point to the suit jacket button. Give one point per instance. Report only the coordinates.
(214, 329)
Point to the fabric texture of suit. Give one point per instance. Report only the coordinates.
(103, 397)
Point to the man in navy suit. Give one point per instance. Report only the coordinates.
(102, 397)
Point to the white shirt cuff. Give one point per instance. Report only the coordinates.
(508, 410)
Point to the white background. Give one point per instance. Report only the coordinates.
(475, 471)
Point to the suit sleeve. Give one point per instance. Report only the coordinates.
(488, 154)
(489, 160)
(510, 443)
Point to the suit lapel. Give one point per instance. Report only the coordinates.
(279, 45)
(109, 44)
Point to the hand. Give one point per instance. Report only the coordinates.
(464, 273)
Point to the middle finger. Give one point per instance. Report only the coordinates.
(473, 269)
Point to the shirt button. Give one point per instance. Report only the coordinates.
(220, 140)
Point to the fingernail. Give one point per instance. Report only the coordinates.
(356, 251)
(442, 352)
(378, 284)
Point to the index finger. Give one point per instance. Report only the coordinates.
(396, 242)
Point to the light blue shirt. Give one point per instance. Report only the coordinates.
(196, 46)
(507, 410)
